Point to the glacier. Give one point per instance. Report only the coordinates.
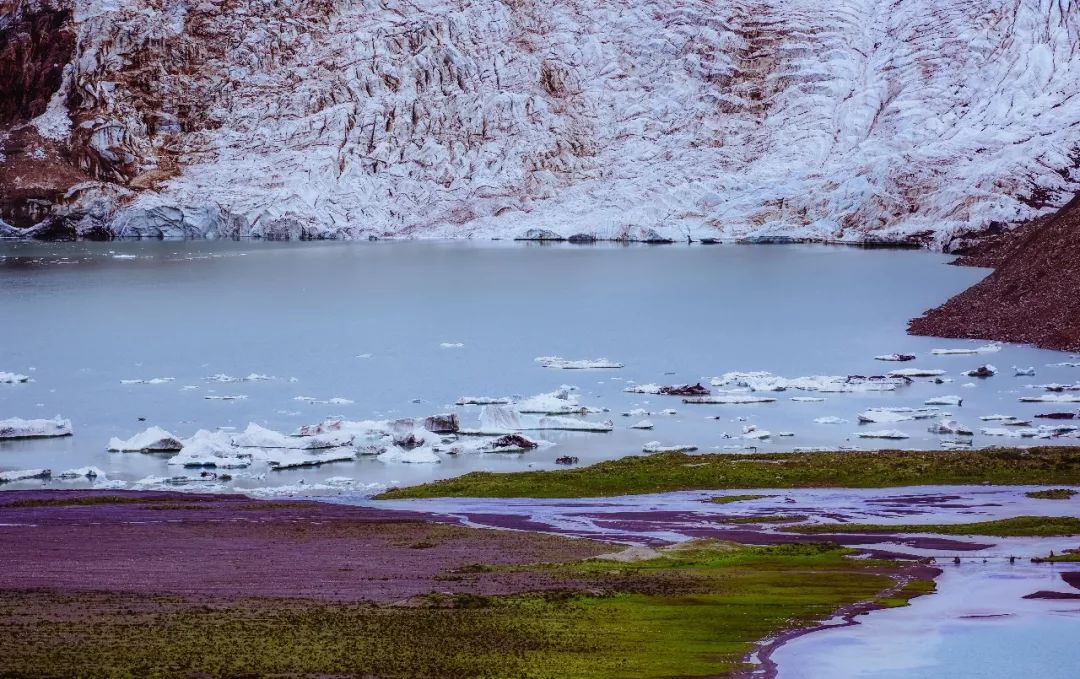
(926, 122)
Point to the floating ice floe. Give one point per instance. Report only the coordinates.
(562, 401)
(1045, 432)
(1024, 372)
(960, 351)
(256, 436)
(444, 423)
(885, 415)
(1006, 420)
(336, 401)
(728, 399)
(643, 424)
(498, 420)
(295, 459)
(211, 449)
(895, 357)
(17, 428)
(90, 473)
(483, 400)
(452, 345)
(1055, 387)
(153, 440)
(657, 447)
(24, 475)
(982, 371)
(235, 397)
(956, 444)
(807, 399)
(421, 455)
(12, 378)
(1056, 416)
(555, 422)
(509, 443)
(883, 434)
(229, 379)
(765, 381)
(560, 363)
(152, 380)
(752, 433)
(916, 372)
(669, 390)
(830, 419)
(1064, 364)
(1051, 398)
(949, 400)
(950, 427)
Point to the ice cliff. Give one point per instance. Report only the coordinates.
(920, 121)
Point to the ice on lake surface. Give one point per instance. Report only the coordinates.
(200, 335)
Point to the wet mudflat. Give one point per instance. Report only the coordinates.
(174, 584)
(991, 609)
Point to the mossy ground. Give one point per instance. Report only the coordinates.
(1052, 494)
(677, 471)
(1068, 556)
(694, 611)
(1019, 526)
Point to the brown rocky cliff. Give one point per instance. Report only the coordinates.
(1032, 297)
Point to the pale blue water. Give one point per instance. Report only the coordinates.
(79, 320)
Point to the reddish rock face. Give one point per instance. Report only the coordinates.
(34, 48)
(1034, 295)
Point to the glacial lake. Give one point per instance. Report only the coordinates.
(367, 324)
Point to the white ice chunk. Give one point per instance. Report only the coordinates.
(483, 400)
(295, 459)
(882, 434)
(152, 380)
(960, 351)
(1051, 398)
(559, 402)
(949, 400)
(256, 436)
(91, 473)
(728, 399)
(560, 363)
(643, 424)
(12, 378)
(915, 372)
(17, 428)
(24, 475)
(657, 447)
(153, 440)
(421, 455)
(950, 427)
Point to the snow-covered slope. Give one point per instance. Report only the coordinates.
(853, 120)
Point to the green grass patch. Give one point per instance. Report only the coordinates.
(694, 611)
(728, 499)
(1068, 556)
(90, 500)
(1020, 526)
(1052, 494)
(678, 471)
(763, 518)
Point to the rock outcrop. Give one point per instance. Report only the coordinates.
(920, 122)
(1033, 296)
